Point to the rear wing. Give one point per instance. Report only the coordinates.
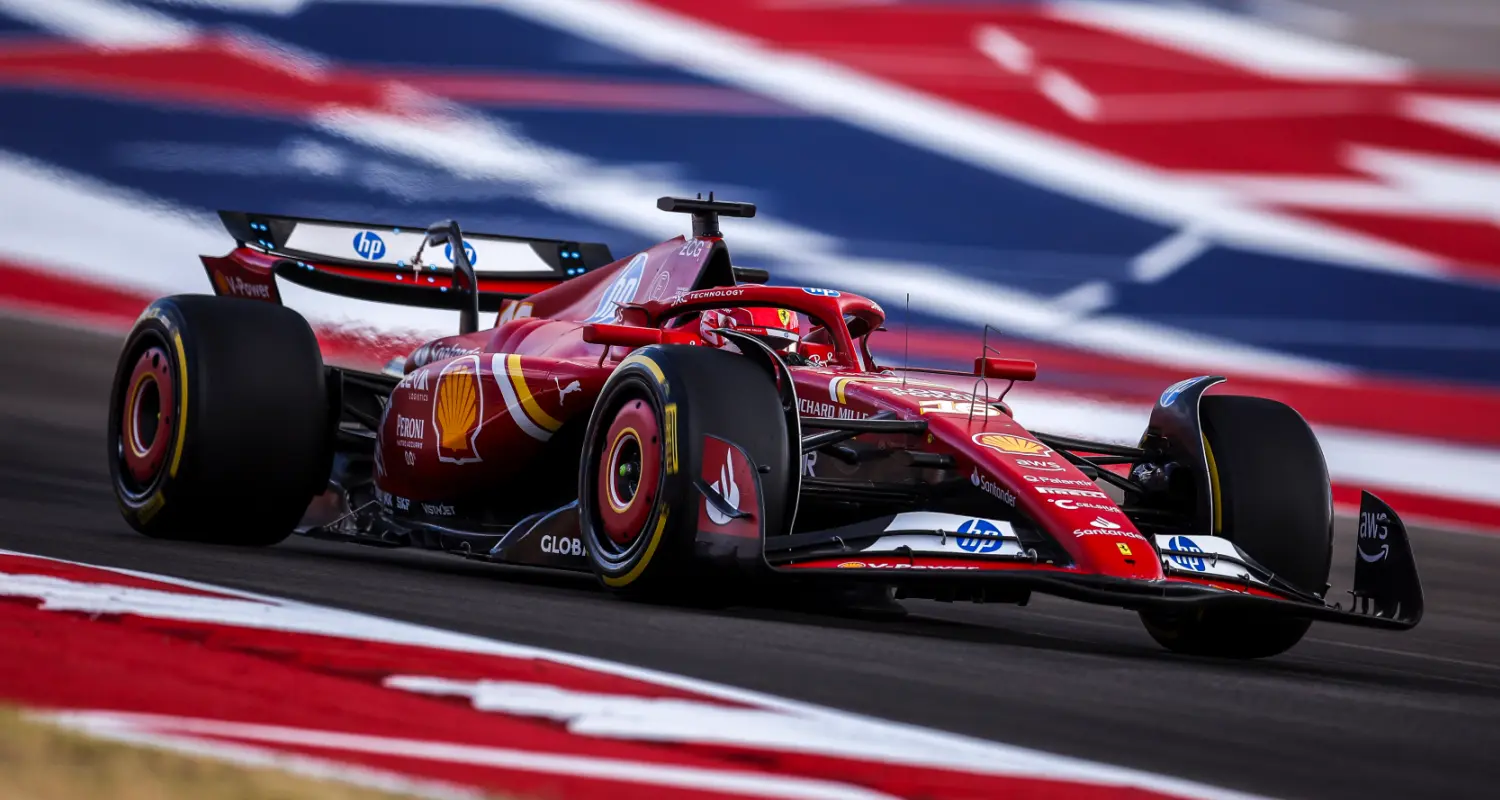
(376, 262)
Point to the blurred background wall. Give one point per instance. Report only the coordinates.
(1301, 194)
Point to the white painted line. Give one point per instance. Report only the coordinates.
(911, 744)
(1236, 40)
(1084, 299)
(1068, 94)
(102, 726)
(982, 140)
(1169, 255)
(276, 7)
(743, 782)
(102, 22)
(1473, 116)
(1000, 46)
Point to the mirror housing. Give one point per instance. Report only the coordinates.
(621, 335)
(1014, 369)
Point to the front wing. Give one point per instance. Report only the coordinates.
(923, 558)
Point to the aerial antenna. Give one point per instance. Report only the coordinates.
(906, 357)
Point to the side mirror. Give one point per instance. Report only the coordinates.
(621, 335)
(465, 282)
(1015, 369)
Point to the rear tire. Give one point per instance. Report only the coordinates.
(218, 421)
(1273, 499)
(639, 510)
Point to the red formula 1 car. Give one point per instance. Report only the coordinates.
(678, 428)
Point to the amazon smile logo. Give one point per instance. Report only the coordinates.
(1373, 529)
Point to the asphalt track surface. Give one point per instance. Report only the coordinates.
(1347, 714)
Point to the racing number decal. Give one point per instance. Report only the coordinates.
(965, 409)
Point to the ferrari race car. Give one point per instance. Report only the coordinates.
(684, 431)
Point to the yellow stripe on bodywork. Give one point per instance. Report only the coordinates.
(640, 566)
(1216, 495)
(637, 358)
(533, 410)
(836, 389)
(182, 412)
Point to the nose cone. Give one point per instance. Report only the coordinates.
(1064, 503)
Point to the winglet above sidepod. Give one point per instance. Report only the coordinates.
(1385, 573)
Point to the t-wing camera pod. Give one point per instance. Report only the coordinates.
(706, 212)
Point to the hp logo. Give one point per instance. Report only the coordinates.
(369, 245)
(821, 292)
(468, 251)
(620, 290)
(1186, 545)
(1174, 391)
(976, 545)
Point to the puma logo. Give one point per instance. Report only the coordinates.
(562, 391)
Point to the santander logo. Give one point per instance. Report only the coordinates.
(727, 489)
(991, 488)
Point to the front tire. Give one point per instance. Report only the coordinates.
(218, 421)
(639, 505)
(1273, 499)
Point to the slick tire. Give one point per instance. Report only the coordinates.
(1272, 498)
(218, 421)
(640, 505)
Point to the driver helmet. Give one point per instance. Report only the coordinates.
(778, 328)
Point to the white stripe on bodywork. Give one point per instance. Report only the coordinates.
(512, 402)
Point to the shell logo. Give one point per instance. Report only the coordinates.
(222, 283)
(852, 565)
(1011, 443)
(457, 411)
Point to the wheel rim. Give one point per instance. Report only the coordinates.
(146, 418)
(629, 472)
